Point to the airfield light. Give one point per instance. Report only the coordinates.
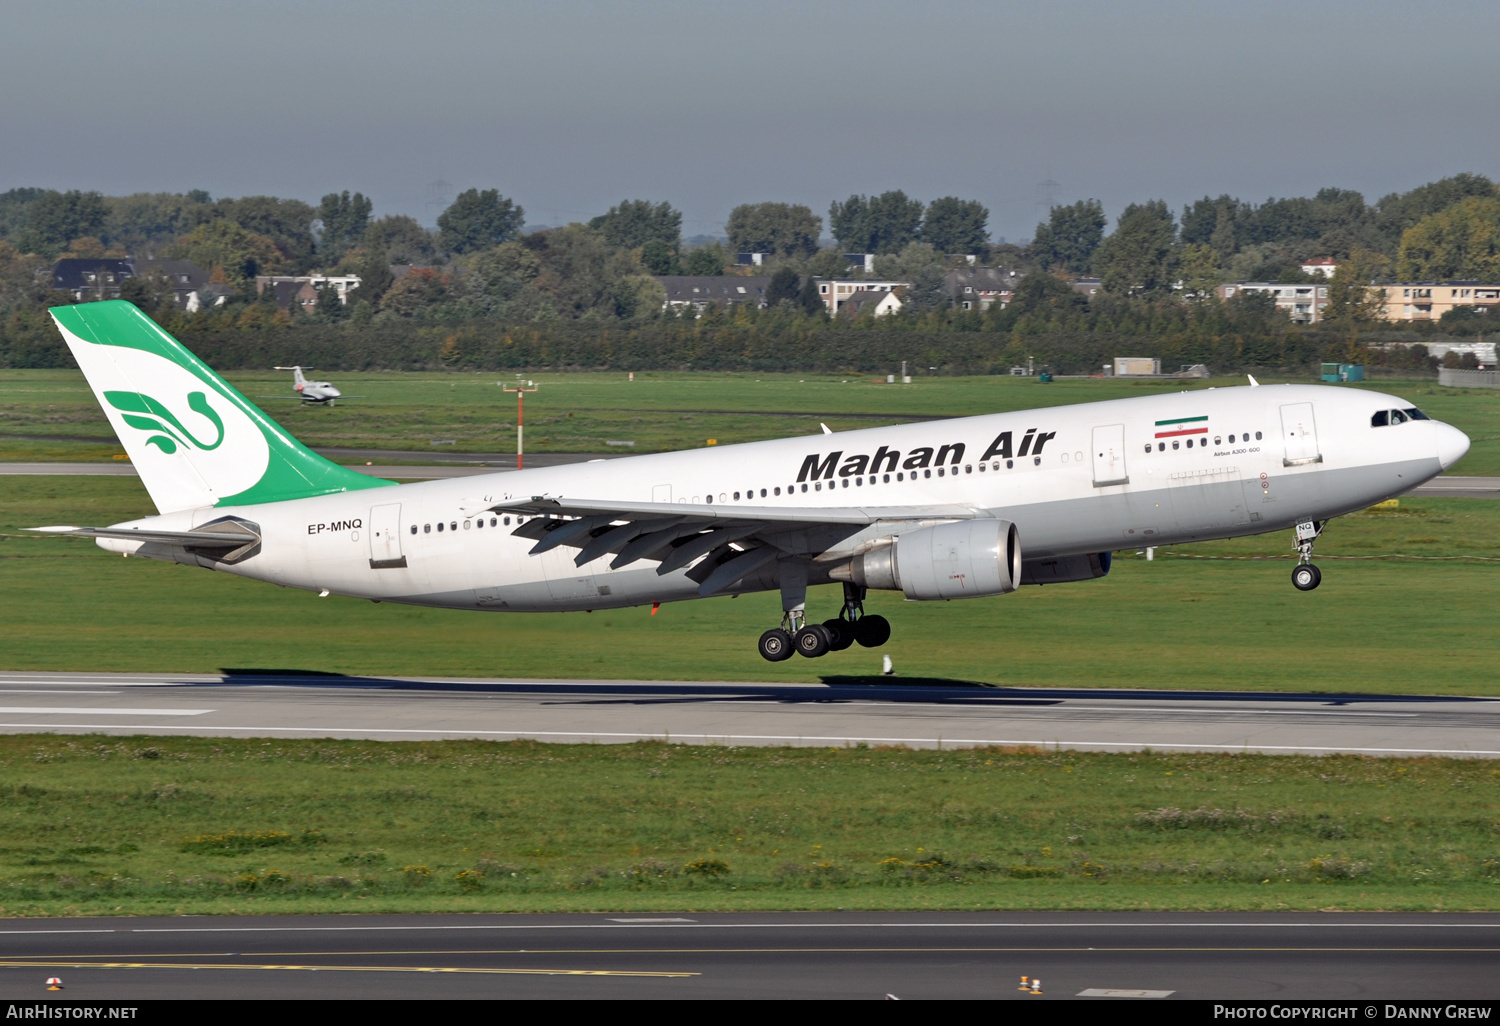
(520, 391)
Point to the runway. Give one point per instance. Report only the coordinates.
(471, 464)
(1234, 956)
(840, 711)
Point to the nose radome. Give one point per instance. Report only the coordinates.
(1452, 444)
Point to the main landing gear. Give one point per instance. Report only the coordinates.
(812, 640)
(1305, 575)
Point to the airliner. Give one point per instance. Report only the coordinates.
(962, 508)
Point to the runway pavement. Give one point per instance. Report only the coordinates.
(469, 464)
(840, 711)
(1235, 956)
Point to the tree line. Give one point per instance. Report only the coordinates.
(481, 270)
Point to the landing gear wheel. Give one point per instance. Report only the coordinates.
(840, 634)
(776, 645)
(812, 641)
(872, 631)
(1306, 577)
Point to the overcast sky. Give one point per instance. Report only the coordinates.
(570, 106)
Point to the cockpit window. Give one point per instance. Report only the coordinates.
(1381, 418)
(1397, 417)
(1416, 414)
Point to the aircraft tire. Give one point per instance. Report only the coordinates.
(776, 645)
(840, 634)
(872, 631)
(812, 641)
(1306, 577)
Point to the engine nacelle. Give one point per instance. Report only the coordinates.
(1062, 569)
(965, 559)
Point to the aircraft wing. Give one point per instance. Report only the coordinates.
(735, 540)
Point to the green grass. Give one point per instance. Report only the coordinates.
(92, 825)
(658, 411)
(1406, 606)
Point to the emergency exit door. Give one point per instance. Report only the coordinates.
(1109, 456)
(385, 537)
(1299, 434)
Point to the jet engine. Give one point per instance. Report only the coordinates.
(965, 559)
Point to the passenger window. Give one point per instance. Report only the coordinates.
(886, 478)
(1382, 418)
(1148, 446)
(507, 521)
(453, 526)
(440, 528)
(1231, 439)
(900, 477)
(1160, 447)
(480, 523)
(1009, 464)
(1257, 436)
(1175, 445)
(927, 473)
(778, 491)
(1218, 440)
(1036, 461)
(492, 522)
(940, 471)
(1190, 443)
(981, 468)
(804, 488)
(413, 528)
(763, 492)
(846, 482)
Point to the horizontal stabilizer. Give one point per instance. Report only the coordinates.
(196, 539)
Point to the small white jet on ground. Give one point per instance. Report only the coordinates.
(311, 391)
(937, 510)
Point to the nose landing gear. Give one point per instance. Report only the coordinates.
(1305, 575)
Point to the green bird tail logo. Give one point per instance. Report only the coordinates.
(141, 411)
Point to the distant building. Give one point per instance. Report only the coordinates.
(1126, 366)
(699, 290)
(95, 278)
(879, 302)
(1427, 301)
(343, 284)
(750, 259)
(1086, 286)
(1324, 266)
(979, 288)
(91, 278)
(1304, 304)
(860, 263)
(835, 292)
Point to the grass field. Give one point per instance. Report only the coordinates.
(1407, 606)
(94, 825)
(47, 415)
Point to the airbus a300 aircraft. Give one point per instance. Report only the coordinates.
(942, 510)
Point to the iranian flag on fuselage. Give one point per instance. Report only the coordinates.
(1182, 426)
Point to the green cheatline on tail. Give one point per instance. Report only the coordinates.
(292, 472)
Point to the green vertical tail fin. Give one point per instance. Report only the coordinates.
(193, 438)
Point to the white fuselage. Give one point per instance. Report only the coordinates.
(1109, 475)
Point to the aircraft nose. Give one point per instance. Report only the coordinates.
(1452, 444)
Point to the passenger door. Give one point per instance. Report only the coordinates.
(1109, 456)
(385, 537)
(1300, 435)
